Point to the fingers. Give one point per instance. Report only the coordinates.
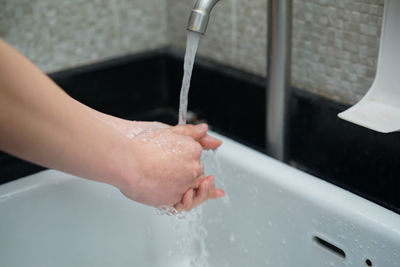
(209, 142)
(218, 194)
(198, 133)
(206, 191)
(195, 131)
(202, 192)
(187, 201)
(194, 197)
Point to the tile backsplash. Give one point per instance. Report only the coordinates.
(335, 46)
(60, 34)
(335, 43)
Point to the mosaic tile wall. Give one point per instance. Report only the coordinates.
(59, 34)
(335, 42)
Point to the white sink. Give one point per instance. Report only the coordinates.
(278, 216)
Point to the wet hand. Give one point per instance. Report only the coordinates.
(169, 167)
(205, 140)
(133, 128)
(204, 188)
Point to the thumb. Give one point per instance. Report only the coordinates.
(195, 131)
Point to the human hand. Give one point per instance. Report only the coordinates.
(169, 167)
(205, 187)
(133, 128)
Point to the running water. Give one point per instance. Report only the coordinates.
(192, 43)
(195, 233)
(214, 166)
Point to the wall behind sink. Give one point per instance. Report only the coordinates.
(60, 34)
(335, 42)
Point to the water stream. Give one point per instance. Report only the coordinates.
(192, 43)
(195, 233)
(189, 225)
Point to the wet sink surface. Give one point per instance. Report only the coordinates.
(276, 216)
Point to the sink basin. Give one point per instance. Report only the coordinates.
(275, 216)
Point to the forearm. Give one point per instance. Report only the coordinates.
(40, 123)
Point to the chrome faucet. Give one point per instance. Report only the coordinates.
(200, 15)
(279, 65)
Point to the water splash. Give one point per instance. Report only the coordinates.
(192, 43)
(170, 211)
(192, 236)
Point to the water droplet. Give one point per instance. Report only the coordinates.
(232, 237)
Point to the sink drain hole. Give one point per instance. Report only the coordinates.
(329, 246)
(368, 262)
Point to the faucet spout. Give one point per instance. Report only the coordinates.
(200, 15)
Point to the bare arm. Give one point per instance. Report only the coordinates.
(41, 124)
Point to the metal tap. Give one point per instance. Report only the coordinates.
(200, 15)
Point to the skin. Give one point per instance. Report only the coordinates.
(149, 162)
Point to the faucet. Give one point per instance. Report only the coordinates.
(279, 65)
(278, 73)
(200, 15)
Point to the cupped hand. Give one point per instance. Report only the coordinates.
(133, 128)
(169, 171)
(204, 187)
